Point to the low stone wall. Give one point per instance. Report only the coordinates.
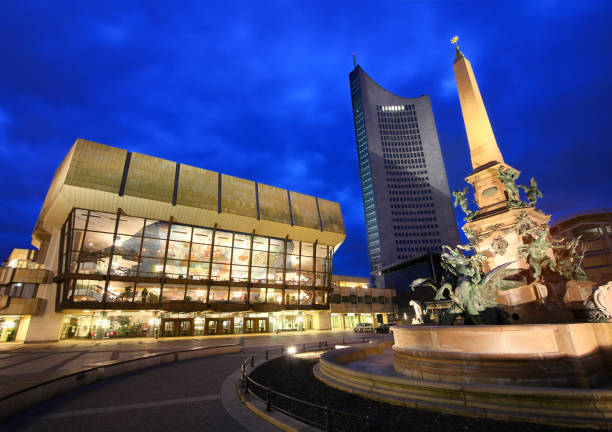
(585, 408)
(558, 355)
(31, 396)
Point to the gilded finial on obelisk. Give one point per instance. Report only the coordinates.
(454, 41)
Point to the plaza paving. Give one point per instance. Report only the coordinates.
(179, 396)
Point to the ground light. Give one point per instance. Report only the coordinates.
(291, 350)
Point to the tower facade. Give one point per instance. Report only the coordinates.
(406, 198)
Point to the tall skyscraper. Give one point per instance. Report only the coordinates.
(406, 200)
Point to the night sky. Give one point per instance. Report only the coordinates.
(260, 91)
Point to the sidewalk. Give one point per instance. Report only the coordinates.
(24, 365)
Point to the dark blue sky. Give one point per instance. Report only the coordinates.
(260, 90)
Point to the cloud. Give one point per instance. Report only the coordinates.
(261, 91)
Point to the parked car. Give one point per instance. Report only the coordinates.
(384, 328)
(363, 327)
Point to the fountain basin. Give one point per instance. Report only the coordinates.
(500, 372)
(547, 355)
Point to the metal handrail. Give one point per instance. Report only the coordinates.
(246, 381)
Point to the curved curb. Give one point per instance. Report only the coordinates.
(33, 395)
(541, 405)
(263, 415)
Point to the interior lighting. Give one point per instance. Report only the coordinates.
(8, 324)
(154, 321)
(341, 346)
(291, 350)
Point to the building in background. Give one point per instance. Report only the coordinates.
(398, 278)
(406, 199)
(133, 245)
(355, 301)
(595, 231)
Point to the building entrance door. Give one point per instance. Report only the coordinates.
(219, 326)
(172, 327)
(256, 325)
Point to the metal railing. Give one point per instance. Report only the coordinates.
(319, 416)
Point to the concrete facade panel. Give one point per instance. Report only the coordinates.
(331, 216)
(304, 209)
(96, 166)
(238, 196)
(198, 188)
(151, 178)
(273, 204)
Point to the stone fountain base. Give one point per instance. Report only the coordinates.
(552, 374)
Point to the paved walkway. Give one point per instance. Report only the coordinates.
(23, 365)
(188, 395)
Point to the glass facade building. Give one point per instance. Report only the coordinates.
(129, 245)
(406, 199)
(117, 259)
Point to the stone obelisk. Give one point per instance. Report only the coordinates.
(492, 230)
(503, 223)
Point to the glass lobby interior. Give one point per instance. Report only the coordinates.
(113, 261)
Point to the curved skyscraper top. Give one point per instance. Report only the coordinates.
(406, 198)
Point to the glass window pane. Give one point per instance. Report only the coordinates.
(97, 243)
(242, 241)
(147, 292)
(307, 249)
(222, 254)
(173, 292)
(293, 262)
(156, 229)
(275, 295)
(153, 247)
(240, 273)
(306, 263)
(86, 290)
(197, 293)
(220, 272)
(276, 260)
(306, 297)
(322, 265)
(276, 245)
(258, 274)
(321, 298)
(124, 265)
(178, 249)
(198, 270)
(260, 258)
(291, 297)
(258, 295)
(130, 225)
(223, 238)
(238, 295)
(241, 256)
(151, 267)
(28, 290)
(120, 291)
(180, 232)
(319, 279)
(293, 247)
(80, 217)
(77, 239)
(260, 243)
(218, 294)
(291, 277)
(202, 235)
(275, 275)
(200, 252)
(321, 251)
(176, 269)
(104, 222)
(307, 278)
(127, 245)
